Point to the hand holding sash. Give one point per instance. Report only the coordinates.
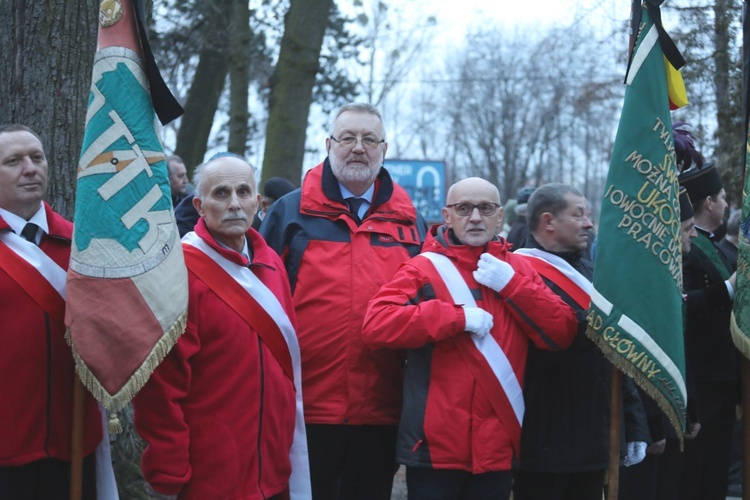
(478, 321)
(493, 272)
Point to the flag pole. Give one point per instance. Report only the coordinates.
(76, 440)
(613, 474)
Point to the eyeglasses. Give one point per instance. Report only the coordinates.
(349, 141)
(466, 209)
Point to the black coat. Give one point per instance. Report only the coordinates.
(711, 354)
(567, 394)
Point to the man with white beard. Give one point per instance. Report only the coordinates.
(341, 236)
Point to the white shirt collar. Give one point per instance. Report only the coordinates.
(17, 223)
(245, 249)
(367, 195)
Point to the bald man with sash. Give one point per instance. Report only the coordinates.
(222, 415)
(467, 310)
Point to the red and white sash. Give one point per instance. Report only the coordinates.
(498, 362)
(44, 281)
(272, 324)
(559, 271)
(26, 263)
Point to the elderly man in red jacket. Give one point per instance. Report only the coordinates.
(36, 365)
(342, 236)
(220, 415)
(466, 309)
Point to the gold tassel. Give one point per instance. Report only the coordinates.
(113, 424)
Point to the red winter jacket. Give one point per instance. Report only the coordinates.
(448, 422)
(36, 369)
(335, 267)
(218, 413)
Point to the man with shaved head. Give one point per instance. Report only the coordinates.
(222, 414)
(466, 309)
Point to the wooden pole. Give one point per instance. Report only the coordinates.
(745, 405)
(613, 473)
(76, 440)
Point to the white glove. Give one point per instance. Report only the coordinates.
(478, 321)
(636, 453)
(493, 272)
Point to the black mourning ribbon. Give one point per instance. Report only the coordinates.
(165, 104)
(668, 47)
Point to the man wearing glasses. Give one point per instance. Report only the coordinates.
(342, 235)
(465, 309)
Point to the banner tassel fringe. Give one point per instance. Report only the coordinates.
(642, 381)
(137, 380)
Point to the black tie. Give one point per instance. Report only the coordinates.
(354, 204)
(29, 232)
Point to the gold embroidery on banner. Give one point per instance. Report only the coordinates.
(110, 12)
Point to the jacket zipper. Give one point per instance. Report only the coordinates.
(374, 216)
(260, 415)
(49, 384)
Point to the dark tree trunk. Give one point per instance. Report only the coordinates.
(291, 88)
(730, 149)
(200, 107)
(239, 77)
(206, 88)
(45, 73)
(721, 56)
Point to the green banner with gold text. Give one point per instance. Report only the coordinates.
(636, 306)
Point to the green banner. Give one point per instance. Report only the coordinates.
(741, 308)
(636, 307)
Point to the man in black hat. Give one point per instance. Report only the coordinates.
(273, 189)
(710, 353)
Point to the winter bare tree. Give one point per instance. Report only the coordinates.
(45, 76)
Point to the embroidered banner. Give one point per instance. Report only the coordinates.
(127, 282)
(741, 307)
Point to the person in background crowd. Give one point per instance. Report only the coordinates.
(178, 179)
(341, 236)
(461, 307)
(273, 189)
(519, 230)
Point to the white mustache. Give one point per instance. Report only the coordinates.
(357, 158)
(234, 216)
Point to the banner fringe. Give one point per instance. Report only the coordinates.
(139, 378)
(642, 381)
(741, 340)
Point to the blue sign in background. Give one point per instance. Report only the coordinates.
(425, 183)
